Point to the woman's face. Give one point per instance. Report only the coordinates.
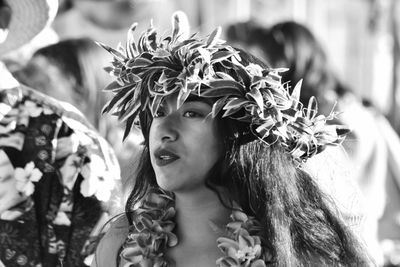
(184, 144)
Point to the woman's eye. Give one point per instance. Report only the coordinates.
(159, 113)
(192, 114)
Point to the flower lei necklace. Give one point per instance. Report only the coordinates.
(150, 235)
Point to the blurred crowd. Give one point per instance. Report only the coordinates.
(64, 170)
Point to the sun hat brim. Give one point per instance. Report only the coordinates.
(28, 19)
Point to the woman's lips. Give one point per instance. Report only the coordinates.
(164, 157)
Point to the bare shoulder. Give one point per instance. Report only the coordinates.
(109, 246)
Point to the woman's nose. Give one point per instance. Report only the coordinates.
(169, 128)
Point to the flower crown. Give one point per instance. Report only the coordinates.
(152, 68)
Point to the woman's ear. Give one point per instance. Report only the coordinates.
(5, 18)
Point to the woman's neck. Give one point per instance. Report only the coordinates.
(196, 215)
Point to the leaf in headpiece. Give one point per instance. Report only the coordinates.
(266, 126)
(156, 104)
(290, 114)
(227, 83)
(279, 70)
(152, 38)
(112, 86)
(312, 108)
(175, 26)
(133, 78)
(243, 74)
(281, 129)
(116, 87)
(128, 127)
(220, 55)
(252, 110)
(125, 104)
(106, 107)
(256, 95)
(182, 96)
(274, 75)
(300, 150)
(230, 111)
(109, 69)
(342, 130)
(142, 43)
(117, 55)
(160, 53)
(219, 92)
(263, 132)
(328, 136)
(121, 49)
(118, 98)
(163, 65)
(131, 111)
(180, 27)
(301, 126)
(141, 62)
(218, 105)
(274, 83)
(235, 103)
(214, 37)
(163, 78)
(296, 91)
(131, 48)
(244, 118)
(205, 55)
(184, 45)
(224, 76)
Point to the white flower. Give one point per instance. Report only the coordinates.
(62, 219)
(32, 109)
(25, 177)
(66, 146)
(70, 170)
(88, 260)
(10, 215)
(83, 134)
(97, 180)
(4, 109)
(254, 69)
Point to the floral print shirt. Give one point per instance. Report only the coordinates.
(57, 176)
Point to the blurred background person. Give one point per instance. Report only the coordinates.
(72, 71)
(57, 174)
(19, 28)
(69, 70)
(374, 146)
(108, 21)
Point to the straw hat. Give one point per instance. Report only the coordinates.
(28, 19)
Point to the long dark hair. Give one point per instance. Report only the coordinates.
(301, 225)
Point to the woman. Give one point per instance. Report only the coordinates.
(222, 162)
